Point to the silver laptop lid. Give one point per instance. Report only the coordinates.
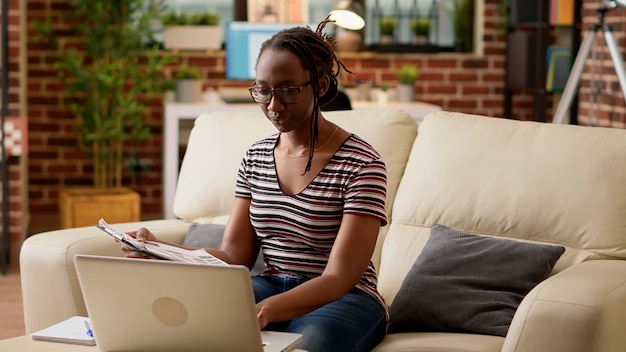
(154, 305)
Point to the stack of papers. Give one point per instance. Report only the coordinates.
(75, 330)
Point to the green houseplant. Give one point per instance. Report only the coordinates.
(421, 29)
(407, 76)
(188, 84)
(109, 76)
(463, 24)
(192, 30)
(109, 79)
(387, 27)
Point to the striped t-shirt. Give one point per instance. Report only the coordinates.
(297, 232)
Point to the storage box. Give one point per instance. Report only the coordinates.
(193, 37)
(85, 206)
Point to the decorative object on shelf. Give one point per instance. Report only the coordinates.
(408, 17)
(387, 27)
(277, 11)
(463, 24)
(420, 27)
(348, 16)
(188, 85)
(407, 75)
(192, 31)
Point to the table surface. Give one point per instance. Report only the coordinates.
(26, 344)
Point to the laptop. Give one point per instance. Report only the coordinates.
(160, 305)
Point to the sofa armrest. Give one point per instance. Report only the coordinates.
(50, 288)
(580, 309)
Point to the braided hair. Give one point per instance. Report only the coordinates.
(316, 53)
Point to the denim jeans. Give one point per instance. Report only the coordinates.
(356, 322)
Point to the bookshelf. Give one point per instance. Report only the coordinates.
(542, 40)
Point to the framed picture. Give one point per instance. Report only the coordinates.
(278, 11)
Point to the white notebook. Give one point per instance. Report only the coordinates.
(75, 330)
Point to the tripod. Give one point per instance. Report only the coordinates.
(571, 86)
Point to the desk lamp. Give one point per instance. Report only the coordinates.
(348, 17)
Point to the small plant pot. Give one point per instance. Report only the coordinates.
(188, 90)
(406, 93)
(420, 39)
(382, 97)
(386, 39)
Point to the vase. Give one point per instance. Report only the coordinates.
(348, 41)
(387, 39)
(188, 90)
(85, 206)
(406, 93)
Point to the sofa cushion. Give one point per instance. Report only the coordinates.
(210, 236)
(466, 282)
(202, 173)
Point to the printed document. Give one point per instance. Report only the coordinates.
(161, 250)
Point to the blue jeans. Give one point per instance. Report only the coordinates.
(356, 322)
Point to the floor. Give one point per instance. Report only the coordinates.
(12, 316)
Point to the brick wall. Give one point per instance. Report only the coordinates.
(457, 82)
(611, 108)
(18, 201)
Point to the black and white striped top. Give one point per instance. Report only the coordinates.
(297, 232)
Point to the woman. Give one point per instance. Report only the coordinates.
(312, 198)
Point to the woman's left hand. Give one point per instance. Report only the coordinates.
(262, 313)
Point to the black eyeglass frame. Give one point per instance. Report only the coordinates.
(273, 93)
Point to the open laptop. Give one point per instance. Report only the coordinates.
(159, 305)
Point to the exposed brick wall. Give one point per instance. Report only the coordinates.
(457, 82)
(18, 203)
(611, 108)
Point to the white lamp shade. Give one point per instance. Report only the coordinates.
(348, 15)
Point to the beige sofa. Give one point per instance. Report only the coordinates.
(527, 181)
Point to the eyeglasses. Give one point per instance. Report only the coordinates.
(286, 95)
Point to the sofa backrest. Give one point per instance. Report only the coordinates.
(530, 181)
(218, 141)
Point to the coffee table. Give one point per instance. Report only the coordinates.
(26, 344)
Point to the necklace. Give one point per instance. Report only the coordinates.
(315, 150)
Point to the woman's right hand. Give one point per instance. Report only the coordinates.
(141, 235)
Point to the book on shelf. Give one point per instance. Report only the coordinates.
(559, 62)
(561, 12)
(75, 330)
(160, 250)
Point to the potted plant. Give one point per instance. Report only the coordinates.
(421, 29)
(463, 24)
(387, 29)
(108, 80)
(407, 76)
(188, 84)
(192, 30)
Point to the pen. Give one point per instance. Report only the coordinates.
(89, 331)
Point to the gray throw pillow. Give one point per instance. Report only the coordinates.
(469, 283)
(210, 236)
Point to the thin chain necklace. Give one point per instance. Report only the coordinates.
(315, 150)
